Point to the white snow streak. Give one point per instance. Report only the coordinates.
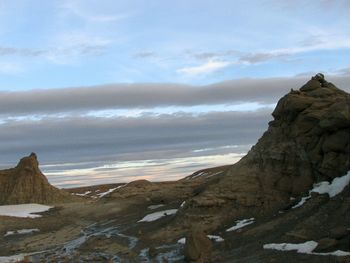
(332, 189)
(305, 248)
(157, 215)
(24, 210)
(21, 232)
(241, 223)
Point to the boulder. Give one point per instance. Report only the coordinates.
(198, 247)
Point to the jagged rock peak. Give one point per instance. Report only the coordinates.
(309, 138)
(320, 87)
(27, 184)
(29, 162)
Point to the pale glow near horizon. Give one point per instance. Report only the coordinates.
(152, 170)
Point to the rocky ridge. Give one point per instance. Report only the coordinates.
(306, 143)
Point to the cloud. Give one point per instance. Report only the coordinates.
(79, 9)
(206, 68)
(211, 55)
(64, 48)
(68, 46)
(81, 139)
(73, 141)
(317, 42)
(343, 71)
(10, 68)
(131, 96)
(26, 52)
(145, 54)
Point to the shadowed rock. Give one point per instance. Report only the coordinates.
(198, 247)
(308, 141)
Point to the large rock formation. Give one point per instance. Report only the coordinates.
(308, 141)
(26, 184)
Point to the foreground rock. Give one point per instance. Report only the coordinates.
(26, 184)
(198, 247)
(307, 142)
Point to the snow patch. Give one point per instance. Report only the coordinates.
(215, 238)
(24, 210)
(152, 207)
(241, 223)
(199, 175)
(84, 194)
(302, 201)
(14, 258)
(337, 253)
(211, 237)
(332, 189)
(214, 174)
(157, 215)
(109, 191)
(21, 232)
(183, 204)
(304, 248)
(182, 241)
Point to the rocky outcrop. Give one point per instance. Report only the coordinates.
(308, 141)
(198, 247)
(26, 184)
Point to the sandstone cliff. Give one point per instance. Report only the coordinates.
(26, 184)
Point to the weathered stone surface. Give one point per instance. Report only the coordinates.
(339, 232)
(309, 135)
(326, 244)
(26, 184)
(198, 247)
(308, 141)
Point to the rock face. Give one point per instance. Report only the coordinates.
(308, 141)
(26, 184)
(198, 247)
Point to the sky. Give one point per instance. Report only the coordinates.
(113, 91)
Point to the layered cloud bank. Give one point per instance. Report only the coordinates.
(148, 96)
(123, 132)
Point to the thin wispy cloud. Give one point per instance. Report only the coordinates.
(145, 55)
(316, 43)
(10, 68)
(7, 51)
(78, 8)
(69, 46)
(206, 68)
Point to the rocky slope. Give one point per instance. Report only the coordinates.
(26, 184)
(308, 141)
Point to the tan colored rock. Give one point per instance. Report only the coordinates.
(26, 184)
(198, 247)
